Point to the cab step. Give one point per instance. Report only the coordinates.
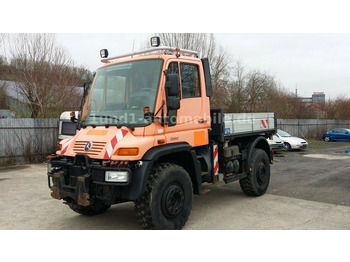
(232, 178)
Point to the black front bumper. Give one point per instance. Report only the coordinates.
(82, 180)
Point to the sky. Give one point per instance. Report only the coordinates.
(305, 45)
(305, 63)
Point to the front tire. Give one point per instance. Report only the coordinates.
(257, 181)
(327, 139)
(167, 202)
(287, 146)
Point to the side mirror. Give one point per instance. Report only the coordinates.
(172, 85)
(86, 88)
(173, 103)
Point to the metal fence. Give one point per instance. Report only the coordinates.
(310, 128)
(27, 140)
(31, 140)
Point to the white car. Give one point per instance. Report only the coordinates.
(291, 142)
(276, 144)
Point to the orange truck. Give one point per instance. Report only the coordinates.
(146, 133)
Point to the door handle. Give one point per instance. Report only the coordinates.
(202, 121)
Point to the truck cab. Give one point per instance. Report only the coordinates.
(145, 134)
(67, 128)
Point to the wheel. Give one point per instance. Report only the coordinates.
(287, 146)
(167, 202)
(327, 139)
(92, 210)
(257, 181)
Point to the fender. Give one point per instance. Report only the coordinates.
(140, 177)
(157, 152)
(258, 142)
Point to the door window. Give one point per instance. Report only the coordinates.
(190, 80)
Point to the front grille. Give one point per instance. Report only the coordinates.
(96, 148)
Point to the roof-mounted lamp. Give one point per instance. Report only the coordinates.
(155, 41)
(104, 53)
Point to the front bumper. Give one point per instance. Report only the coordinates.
(277, 147)
(82, 180)
(300, 146)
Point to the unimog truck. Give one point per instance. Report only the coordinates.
(146, 133)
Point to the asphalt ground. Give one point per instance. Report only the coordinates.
(308, 190)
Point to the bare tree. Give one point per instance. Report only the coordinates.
(206, 46)
(3, 94)
(43, 73)
(237, 95)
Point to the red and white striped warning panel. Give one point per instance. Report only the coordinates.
(264, 123)
(115, 140)
(65, 146)
(216, 159)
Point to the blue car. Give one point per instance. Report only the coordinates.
(337, 134)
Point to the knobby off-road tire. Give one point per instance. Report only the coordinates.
(167, 202)
(257, 182)
(92, 210)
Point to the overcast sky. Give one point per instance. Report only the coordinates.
(306, 62)
(304, 44)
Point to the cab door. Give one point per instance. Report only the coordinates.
(189, 123)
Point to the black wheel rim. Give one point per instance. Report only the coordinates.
(173, 200)
(262, 173)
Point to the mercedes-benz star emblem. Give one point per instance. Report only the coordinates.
(87, 146)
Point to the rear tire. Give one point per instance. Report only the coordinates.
(257, 181)
(167, 202)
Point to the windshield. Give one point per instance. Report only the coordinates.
(283, 133)
(120, 92)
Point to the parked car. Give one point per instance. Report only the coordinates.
(276, 144)
(291, 142)
(337, 134)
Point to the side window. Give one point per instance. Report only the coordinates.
(190, 81)
(173, 68)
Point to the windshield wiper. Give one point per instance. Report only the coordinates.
(130, 126)
(102, 116)
(118, 125)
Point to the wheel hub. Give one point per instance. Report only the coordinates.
(173, 200)
(262, 173)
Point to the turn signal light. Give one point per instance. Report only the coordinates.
(134, 151)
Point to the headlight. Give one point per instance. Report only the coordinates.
(117, 176)
(49, 167)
